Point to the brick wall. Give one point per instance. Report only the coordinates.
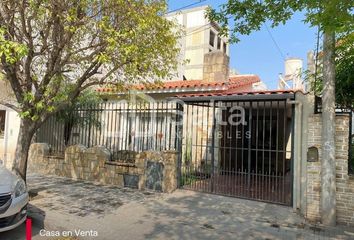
(93, 164)
(345, 183)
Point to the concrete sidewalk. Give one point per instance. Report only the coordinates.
(114, 213)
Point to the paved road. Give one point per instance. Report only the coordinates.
(113, 213)
(20, 232)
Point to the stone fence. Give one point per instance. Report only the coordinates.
(344, 182)
(150, 170)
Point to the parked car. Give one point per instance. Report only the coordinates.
(13, 200)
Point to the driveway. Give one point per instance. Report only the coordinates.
(63, 206)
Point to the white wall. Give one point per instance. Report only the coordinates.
(195, 41)
(9, 140)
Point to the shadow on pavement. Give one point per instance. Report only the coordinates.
(206, 216)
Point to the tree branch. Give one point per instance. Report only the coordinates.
(9, 105)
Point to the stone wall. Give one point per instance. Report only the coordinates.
(216, 66)
(93, 164)
(345, 183)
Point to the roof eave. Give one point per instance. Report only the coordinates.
(246, 97)
(176, 90)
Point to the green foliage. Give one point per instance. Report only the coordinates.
(51, 51)
(249, 15)
(80, 114)
(334, 16)
(344, 80)
(76, 116)
(345, 71)
(12, 51)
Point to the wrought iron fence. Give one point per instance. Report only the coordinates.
(239, 148)
(351, 145)
(122, 127)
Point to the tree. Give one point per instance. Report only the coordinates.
(78, 115)
(53, 50)
(345, 71)
(331, 16)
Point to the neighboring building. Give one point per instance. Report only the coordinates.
(200, 37)
(9, 127)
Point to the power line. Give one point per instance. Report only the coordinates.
(275, 42)
(202, 28)
(186, 6)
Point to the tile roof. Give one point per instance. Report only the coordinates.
(181, 84)
(232, 85)
(243, 93)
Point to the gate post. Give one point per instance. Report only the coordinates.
(249, 149)
(179, 139)
(213, 148)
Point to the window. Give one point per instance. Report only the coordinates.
(2, 123)
(225, 47)
(212, 38)
(219, 43)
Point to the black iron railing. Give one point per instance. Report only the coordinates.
(239, 148)
(123, 128)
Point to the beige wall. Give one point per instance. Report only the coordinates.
(195, 57)
(194, 43)
(195, 38)
(8, 142)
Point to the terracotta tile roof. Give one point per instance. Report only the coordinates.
(226, 93)
(231, 85)
(240, 81)
(181, 84)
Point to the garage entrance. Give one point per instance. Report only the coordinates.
(239, 146)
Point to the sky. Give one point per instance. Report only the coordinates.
(257, 53)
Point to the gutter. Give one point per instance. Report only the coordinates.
(235, 97)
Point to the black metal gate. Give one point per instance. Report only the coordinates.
(239, 148)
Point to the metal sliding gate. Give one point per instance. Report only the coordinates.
(239, 148)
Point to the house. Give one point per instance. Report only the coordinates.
(144, 129)
(218, 134)
(259, 145)
(215, 79)
(226, 138)
(201, 46)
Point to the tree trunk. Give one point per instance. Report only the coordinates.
(25, 136)
(328, 166)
